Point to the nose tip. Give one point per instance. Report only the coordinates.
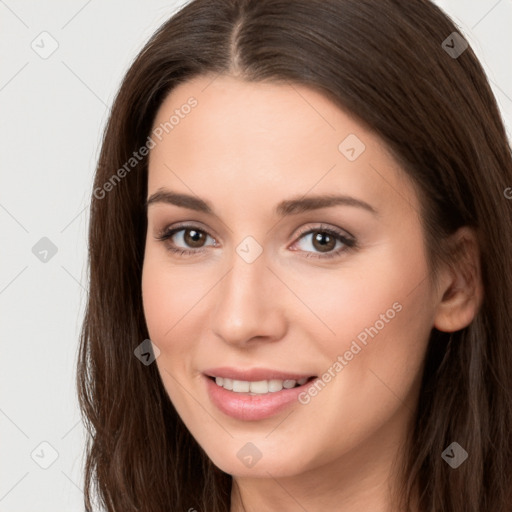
(247, 304)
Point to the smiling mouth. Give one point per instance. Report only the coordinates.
(260, 387)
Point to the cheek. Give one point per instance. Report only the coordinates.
(375, 314)
(175, 302)
(159, 299)
(373, 362)
(366, 291)
(168, 294)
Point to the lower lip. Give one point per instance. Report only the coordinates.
(245, 407)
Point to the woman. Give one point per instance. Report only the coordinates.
(302, 205)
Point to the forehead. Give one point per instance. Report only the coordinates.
(269, 137)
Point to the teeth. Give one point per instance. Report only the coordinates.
(275, 385)
(260, 387)
(241, 386)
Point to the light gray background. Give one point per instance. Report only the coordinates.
(53, 112)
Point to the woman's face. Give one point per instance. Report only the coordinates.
(299, 255)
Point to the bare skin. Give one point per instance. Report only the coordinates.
(245, 148)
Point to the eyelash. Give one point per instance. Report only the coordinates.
(349, 243)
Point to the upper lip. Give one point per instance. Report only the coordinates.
(254, 374)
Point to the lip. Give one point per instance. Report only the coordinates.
(254, 374)
(246, 407)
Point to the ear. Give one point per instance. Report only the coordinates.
(460, 285)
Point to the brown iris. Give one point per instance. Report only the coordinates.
(323, 242)
(194, 238)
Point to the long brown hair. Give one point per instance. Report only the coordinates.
(384, 61)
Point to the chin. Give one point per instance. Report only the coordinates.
(250, 461)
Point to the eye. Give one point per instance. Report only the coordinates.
(324, 242)
(185, 240)
(318, 242)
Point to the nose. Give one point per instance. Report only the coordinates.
(249, 306)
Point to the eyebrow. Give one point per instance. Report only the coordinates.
(287, 207)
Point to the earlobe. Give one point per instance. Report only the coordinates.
(461, 295)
